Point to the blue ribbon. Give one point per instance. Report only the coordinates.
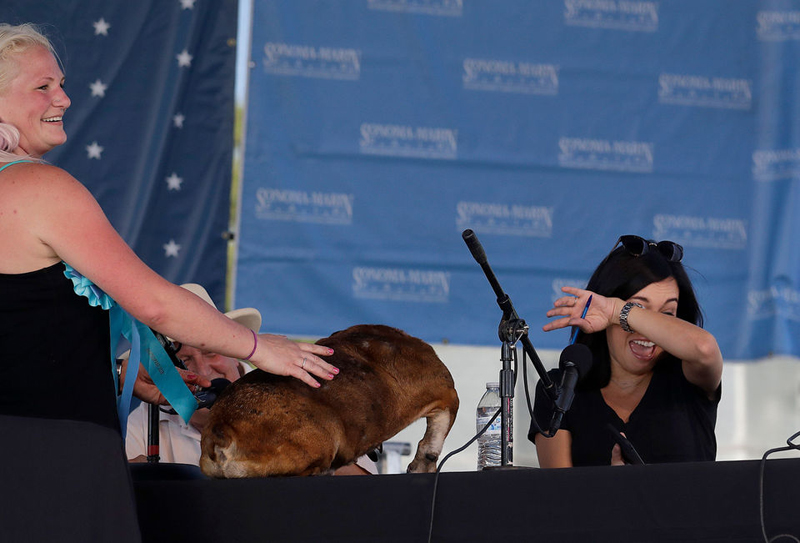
(145, 348)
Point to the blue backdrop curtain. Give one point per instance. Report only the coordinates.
(378, 130)
(150, 129)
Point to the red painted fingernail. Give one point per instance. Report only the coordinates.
(317, 385)
(335, 370)
(191, 376)
(330, 351)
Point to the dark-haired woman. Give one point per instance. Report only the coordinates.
(656, 376)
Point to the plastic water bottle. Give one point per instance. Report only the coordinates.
(489, 453)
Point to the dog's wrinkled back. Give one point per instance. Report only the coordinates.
(265, 424)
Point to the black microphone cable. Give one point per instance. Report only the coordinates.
(470, 442)
(528, 398)
(582, 364)
(789, 447)
(441, 464)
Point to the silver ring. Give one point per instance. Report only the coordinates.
(303, 365)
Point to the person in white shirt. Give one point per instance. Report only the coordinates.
(180, 442)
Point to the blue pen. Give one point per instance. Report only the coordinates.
(575, 329)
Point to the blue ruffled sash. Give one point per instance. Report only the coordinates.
(145, 349)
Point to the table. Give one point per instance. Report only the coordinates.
(711, 501)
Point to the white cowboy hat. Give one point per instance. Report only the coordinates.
(247, 316)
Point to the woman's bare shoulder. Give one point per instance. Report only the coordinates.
(24, 177)
(32, 185)
(39, 172)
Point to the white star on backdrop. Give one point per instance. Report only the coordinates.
(187, 4)
(101, 27)
(174, 182)
(98, 88)
(184, 59)
(178, 120)
(94, 150)
(171, 249)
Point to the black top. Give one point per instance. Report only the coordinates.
(674, 421)
(55, 359)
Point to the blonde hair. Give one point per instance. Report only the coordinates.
(13, 41)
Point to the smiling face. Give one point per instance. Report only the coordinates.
(632, 353)
(209, 365)
(35, 101)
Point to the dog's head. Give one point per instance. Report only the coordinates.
(259, 428)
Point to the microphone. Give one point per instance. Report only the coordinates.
(207, 396)
(474, 246)
(575, 362)
(509, 313)
(169, 349)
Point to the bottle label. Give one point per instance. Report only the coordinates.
(495, 428)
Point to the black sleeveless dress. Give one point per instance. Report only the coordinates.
(62, 460)
(55, 359)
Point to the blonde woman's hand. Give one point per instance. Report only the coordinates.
(282, 356)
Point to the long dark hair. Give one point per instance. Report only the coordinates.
(621, 275)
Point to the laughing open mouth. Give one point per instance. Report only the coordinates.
(642, 348)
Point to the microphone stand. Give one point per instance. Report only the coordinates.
(153, 411)
(510, 330)
(153, 434)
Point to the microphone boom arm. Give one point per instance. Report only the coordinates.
(511, 321)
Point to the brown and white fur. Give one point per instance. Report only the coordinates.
(264, 424)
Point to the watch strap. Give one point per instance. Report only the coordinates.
(623, 315)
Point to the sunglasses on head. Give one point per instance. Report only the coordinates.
(638, 246)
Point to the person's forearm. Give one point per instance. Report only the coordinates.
(697, 348)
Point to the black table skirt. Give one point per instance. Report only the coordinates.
(65, 481)
(715, 501)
